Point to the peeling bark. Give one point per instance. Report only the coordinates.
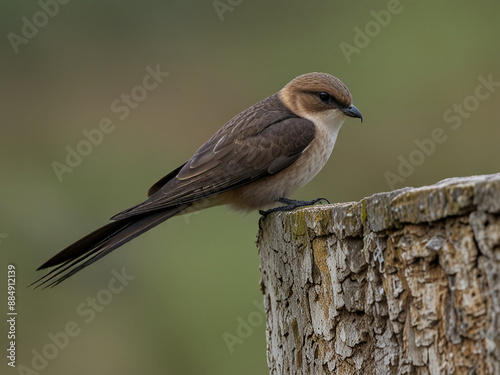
(405, 282)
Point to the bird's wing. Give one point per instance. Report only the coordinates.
(254, 144)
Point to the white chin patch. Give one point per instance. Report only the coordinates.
(330, 121)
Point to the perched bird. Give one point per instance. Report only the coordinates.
(256, 160)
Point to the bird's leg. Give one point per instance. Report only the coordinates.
(291, 204)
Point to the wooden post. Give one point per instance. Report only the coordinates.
(404, 282)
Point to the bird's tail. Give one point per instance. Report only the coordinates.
(100, 242)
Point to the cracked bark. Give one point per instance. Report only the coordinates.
(405, 282)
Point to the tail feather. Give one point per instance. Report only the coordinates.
(97, 244)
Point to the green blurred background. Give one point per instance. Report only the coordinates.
(196, 278)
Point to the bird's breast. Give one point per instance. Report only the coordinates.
(264, 193)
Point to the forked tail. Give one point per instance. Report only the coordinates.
(100, 242)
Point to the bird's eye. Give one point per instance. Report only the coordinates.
(324, 97)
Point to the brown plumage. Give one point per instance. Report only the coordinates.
(254, 161)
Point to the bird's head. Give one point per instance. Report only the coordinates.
(319, 96)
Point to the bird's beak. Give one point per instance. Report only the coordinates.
(352, 111)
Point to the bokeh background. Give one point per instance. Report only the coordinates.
(196, 278)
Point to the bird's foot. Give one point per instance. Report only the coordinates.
(291, 205)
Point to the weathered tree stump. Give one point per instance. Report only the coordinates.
(405, 282)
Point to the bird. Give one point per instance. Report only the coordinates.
(254, 162)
